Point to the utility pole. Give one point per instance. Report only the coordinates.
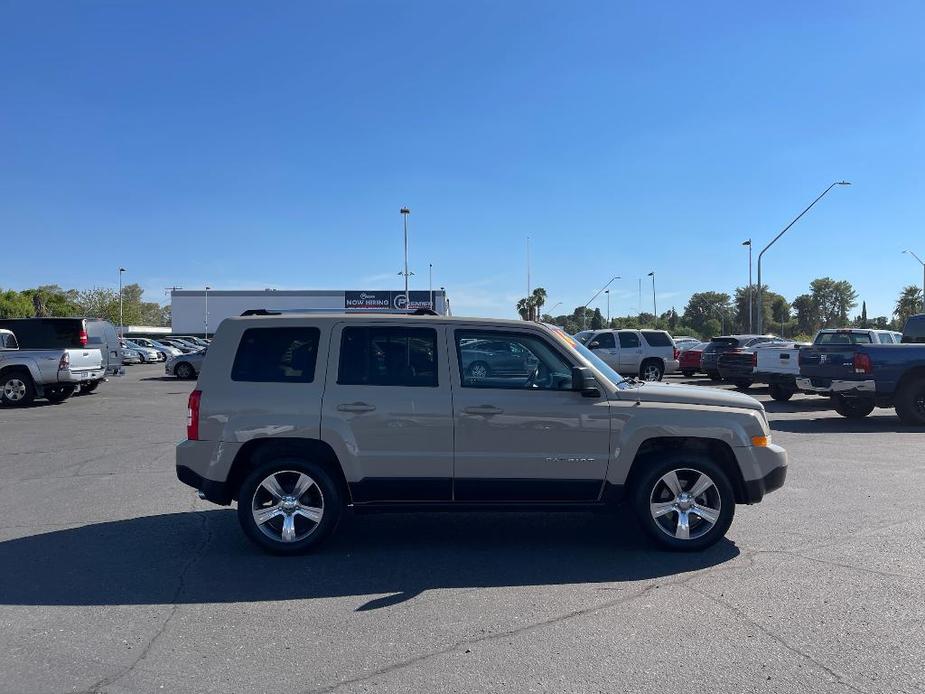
(923, 275)
(404, 215)
(607, 292)
(207, 311)
(121, 321)
(430, 280)
(654, 307)
(528, 268)
(639, 310)
(749, 244)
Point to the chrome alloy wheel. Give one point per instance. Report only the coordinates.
(478, 370)
(14, 390)
(685, 504)
(651, 372)
(287, 506)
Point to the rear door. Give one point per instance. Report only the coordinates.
(630, 351)
(388, 400)
(525, 438)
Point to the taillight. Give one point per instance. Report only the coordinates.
(65, 363)
(862, 363)
(83, 338)
(754, 358)
(192, 416)
(677, 353)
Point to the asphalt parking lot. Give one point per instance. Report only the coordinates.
(115, 578)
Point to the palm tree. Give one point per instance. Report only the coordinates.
(908, 303)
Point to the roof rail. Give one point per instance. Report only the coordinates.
(260, 312)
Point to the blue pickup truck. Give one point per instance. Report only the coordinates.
(860, 377)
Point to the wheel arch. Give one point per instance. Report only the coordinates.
(909, 376)
(258, 451)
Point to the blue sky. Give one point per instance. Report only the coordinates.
(247, 145)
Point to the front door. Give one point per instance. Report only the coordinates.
(605, 346)
(387, 401)
(524, 438)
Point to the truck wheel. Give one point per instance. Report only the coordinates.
(853, 408)
(651, 370)
(289, 505)
(88, 387)
(56, 394)
(910, 402)
(779, 393)
(16, 388)
(684, 501)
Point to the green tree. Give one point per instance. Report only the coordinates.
(909, 303)
(14, 304)
(807, 314)
(834, 299)
(705, 310)
(529, 307)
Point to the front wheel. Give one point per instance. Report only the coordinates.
(184, 371)
(651, 371)
(684, 502)
(852, 408)
(289, 505)
(910, 402)
(779, 393)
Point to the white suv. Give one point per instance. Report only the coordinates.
(650, 354)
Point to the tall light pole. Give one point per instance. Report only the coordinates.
(207, 311)
(558, 303)
(607, 292)
(528, 267)
(749, 244)
(654, 307)
(121, 322)
(404, 215)
(584, 313)
(430, 284)
(923, 275)
(782, 232)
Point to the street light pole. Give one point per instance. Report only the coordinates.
(430, 284)
(654, 307)
(584, 313)
(121, 321)
(782, 232)
(749, 244)
(607, 292)
(207, 311)
(404, 215)
(923, 275)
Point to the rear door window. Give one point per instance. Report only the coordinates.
(276, 355)
(629, 340)
(388, 356)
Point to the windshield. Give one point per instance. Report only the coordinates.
(599, 364)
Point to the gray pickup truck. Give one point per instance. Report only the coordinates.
(53, 374)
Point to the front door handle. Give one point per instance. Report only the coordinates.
(483, 409)
(355, 407)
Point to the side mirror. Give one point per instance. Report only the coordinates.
(594, 345)
(583, 382)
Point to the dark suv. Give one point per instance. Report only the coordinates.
(727, 343)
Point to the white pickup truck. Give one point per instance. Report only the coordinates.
(53, 374)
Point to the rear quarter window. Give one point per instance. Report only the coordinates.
(915, 329)
(276, 355)
(657, 338)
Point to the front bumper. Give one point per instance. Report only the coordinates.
(833, 386)
(764, 469)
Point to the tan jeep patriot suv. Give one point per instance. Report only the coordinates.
(298, 417)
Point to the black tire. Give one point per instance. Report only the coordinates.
(743, 383)
(689, 466)
(86, 388)
(184, 371)
(852, 408)
(714, 376)
(687, 373)
(16, 388)
(910, 402)
(287, 467)
(651, 370)
(779, 393)
(58, 394)
(478, 369)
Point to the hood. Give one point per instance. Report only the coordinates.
(695, 395)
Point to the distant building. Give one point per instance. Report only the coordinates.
(188, 308)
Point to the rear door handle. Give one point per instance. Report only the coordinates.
(355, 407)
(483, 409)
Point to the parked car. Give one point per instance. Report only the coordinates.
(130, 356)
(298, 417)
(779, 366)
(146, 343)
(726, 343)
(165, 349)
(860, 375)
(185, 366)
(648, 354)
(53, 373)
(195, 341)
(685, 342)
(71, 333)
(147, 354)
(739, 365)
(182, 345)
(689, 359)
(485, 359)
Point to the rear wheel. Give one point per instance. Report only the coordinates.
(910, 402)
(185, 371)
(780, 393)
(89, 387)
(852, 408)
(651, 370)
(684, 502)
(56, 394)
(478, 370)
(16, 388)
(289, 505)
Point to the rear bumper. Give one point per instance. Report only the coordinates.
(672, 366)
(736, 371)
(833, 386)
(206, 466)
(68, 376)
(216, 492)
